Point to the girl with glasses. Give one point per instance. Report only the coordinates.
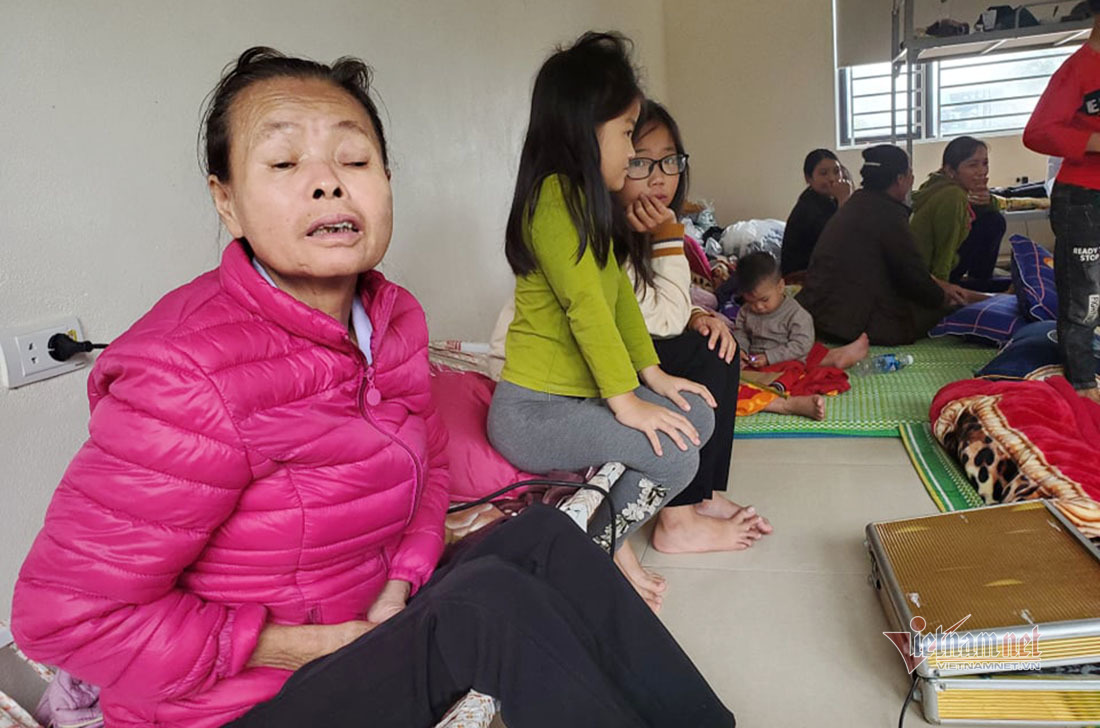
(691, 342)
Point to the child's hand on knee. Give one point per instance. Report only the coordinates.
(634, 412)
(670, 387)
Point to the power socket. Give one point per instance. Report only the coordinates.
(26, 354)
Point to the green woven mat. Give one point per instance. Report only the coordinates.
(880, 403)
(938, 470)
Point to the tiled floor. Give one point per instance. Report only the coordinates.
(789, 633)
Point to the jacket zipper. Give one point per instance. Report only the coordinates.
(370, 396)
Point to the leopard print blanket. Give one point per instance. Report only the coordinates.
(1004, 466)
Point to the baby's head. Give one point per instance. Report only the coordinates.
(762, 285)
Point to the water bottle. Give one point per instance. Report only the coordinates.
(882, 364)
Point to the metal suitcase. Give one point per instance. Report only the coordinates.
(974, 594)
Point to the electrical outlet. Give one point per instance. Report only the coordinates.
(26, 355)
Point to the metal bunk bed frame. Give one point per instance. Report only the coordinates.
(908, 50)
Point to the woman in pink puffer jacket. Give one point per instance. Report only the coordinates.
(264, 485)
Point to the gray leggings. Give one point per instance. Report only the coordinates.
(540, 432)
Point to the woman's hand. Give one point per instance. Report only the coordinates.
(718, 334)
(646, 214)
(634, 412)
(960, 296)
(956, 295)
(394, 597)
(841, 190)
(290, 647)
(979, 197)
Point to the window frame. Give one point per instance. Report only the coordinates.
(928, 84)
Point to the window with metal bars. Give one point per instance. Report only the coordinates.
(979, 95)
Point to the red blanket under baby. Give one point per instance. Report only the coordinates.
(796, 379)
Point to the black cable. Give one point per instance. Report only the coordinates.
(908, 699)
(546, 481)
(63, 347)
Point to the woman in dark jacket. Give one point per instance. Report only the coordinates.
(828, 187)
(865, 274)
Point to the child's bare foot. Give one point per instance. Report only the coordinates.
(649, 585)
(1090, 394)
(718, 506)
(811, 406)
(681, 530)
(845, 356)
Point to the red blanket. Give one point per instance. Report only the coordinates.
(1025, 439)
(800, 379)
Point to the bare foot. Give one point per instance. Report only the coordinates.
(681, 530)
(811, 406)
(845, 356)
(648, 584)
(718, 506)
(1092, 395)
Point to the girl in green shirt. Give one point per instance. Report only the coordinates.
(581, 383)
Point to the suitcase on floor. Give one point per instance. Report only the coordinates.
(995, 610)
(1021, 699)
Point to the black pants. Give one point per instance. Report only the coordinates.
(978, 254)
(1075, 218)
(530, 612)
(687, 356)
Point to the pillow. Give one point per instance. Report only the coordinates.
(1033, 276)
(462, 401)
(993, 320)
(1033, 348)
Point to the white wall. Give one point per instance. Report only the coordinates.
(103, 208)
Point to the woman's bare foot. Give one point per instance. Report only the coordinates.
(680, 530)
(811, 406)
(718, 506)
(845, 356)
(649, 585)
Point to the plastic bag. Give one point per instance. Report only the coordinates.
(753, 236)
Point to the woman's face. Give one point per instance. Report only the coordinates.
(905, 184)
(655, 144)
(617, 146)
(973, 174)
(307, 185)
(825, 175)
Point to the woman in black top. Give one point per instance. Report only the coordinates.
(829, 187)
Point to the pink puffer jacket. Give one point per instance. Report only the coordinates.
(244, 466)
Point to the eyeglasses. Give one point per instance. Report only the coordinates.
(642, 168)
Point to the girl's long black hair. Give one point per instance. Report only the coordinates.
(639, 249)
(577, 89)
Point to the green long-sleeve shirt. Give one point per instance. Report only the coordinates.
(941, 222)
(577, 330)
